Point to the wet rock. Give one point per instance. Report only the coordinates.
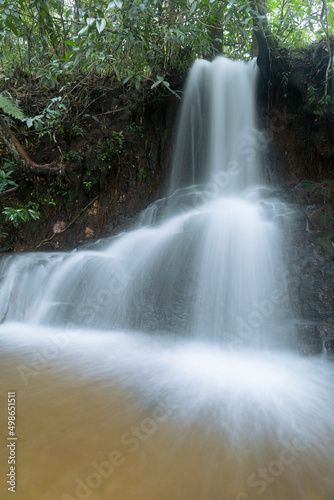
(317, 290)
(322, 218)
(309, 250)
(316, 339)
(309, 340)
(314, 193)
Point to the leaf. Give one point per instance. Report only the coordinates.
(118, 3)
(156, 84)
(228, 16)
(117, 74)
(11, 108)
(90, 21)
(69, 42)
(243, 31)
(82, 31)
(12, 27)
(29, 122)
(100, 25)
(193, 8)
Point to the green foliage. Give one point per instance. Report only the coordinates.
(295, 24)
(140, 41)
(23, 213)
(10, 107)
(5, 175)
(77, 131)
(20, 213)
(45, 201)
(326, 243)
(116, 142)
(162, 81)
(137, 40)
(57, 187)
(317, 102)
(142, 174)
(74, 156)
(133, 128)
(284, 80)
(88, 185)
(50, 119)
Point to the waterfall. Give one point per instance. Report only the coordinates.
(157, 364)
(207, 266)
(217, 140)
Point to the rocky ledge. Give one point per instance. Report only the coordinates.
(308, 246)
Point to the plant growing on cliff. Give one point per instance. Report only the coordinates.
(21, 213)
(6, 175)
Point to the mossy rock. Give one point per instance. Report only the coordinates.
(314, 193)
(322, 218)
(326, 243)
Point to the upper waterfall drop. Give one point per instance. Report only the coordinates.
(217, 139)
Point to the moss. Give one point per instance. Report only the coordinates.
(326, 243)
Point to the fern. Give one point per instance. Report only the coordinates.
(10, 108)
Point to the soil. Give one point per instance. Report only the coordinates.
(114, 162)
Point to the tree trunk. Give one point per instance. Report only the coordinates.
(15, 148)
(265, 42)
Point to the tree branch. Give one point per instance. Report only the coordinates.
(20, 155)
(9, 191)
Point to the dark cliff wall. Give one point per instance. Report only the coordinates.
(300, 163)
(114, 167)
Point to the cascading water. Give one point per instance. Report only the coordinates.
(217, 127)
(156, 365)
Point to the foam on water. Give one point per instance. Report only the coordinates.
(178, 413)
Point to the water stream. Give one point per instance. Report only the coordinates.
(159, 364)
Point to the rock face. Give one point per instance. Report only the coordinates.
(300, 146)
(309, 251)
(119, 163)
